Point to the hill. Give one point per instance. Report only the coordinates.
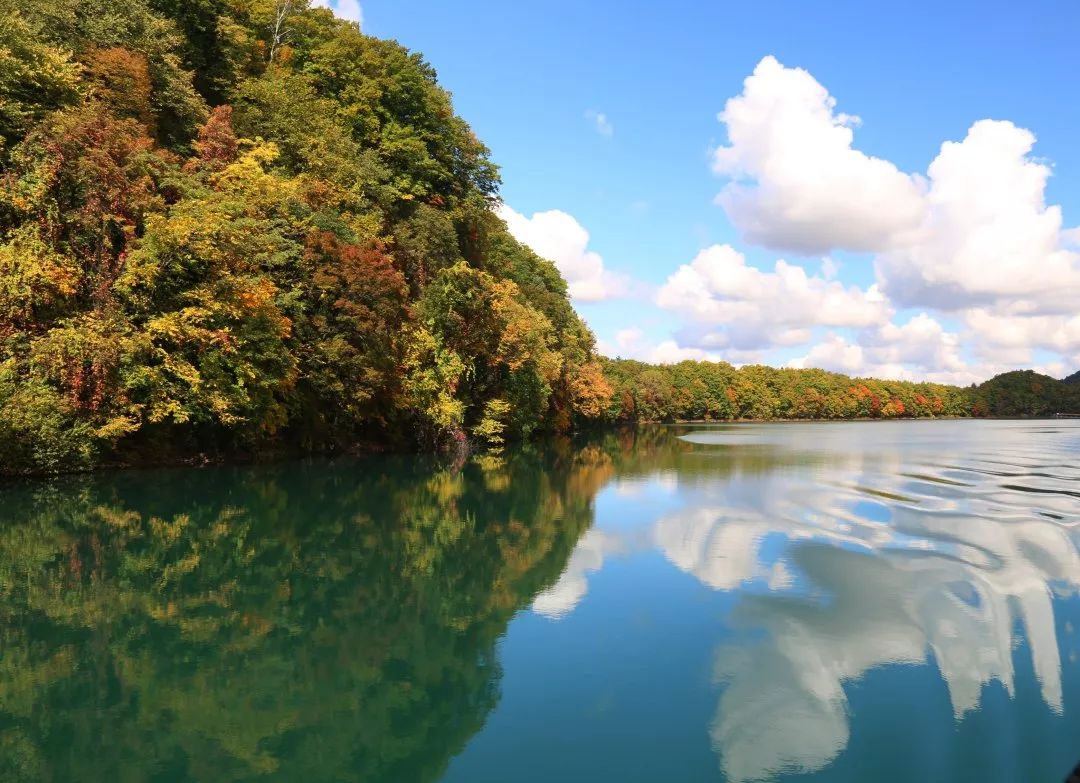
(219, 234)
(1025, 393)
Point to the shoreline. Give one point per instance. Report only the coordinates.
(372, 448)
(1055, 417)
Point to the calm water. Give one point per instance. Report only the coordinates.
(787, 602)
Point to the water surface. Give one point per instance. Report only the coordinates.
(892, 601)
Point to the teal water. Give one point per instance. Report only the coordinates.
(893, 601)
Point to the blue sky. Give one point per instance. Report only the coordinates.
(973, 273)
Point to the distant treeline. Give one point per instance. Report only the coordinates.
(718, 391)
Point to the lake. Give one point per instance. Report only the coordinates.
(886, 601)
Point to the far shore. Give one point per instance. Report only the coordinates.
(1053, 417)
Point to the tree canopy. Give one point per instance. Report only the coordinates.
(245, 226)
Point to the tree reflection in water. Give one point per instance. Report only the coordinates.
(324, 621)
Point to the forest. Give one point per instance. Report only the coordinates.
(246, 227)
(692, 390)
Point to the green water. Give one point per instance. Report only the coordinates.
(789, 602)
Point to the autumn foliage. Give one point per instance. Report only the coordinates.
(202, 251)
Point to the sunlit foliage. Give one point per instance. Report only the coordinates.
(206, 248)
(718, 391)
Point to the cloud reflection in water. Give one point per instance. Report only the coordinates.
(929, 545)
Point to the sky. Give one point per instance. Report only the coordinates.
(877, 190)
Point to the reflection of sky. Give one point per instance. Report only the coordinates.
(625, 511)
(864, 555)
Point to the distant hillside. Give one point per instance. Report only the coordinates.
(1074, 378)
(718, 391)
(1025, 393)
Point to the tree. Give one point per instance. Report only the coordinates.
(36, 77)
(279, 31)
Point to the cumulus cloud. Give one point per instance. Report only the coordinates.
(974, 237)
(732, 304)
(809, 190)
(632, 343)
(919, 350)
(988, 236)
(600, 122)
(835, 354)
(345, 9)
(976, 230)
(921, 342)
(558, 237)
(1010, 338)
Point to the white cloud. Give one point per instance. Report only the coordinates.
(812, 191)
(974, 237)
(834, 354)
(632, 343)
(921, 342)
(557, 236)
(919, 350)
(345, 9)
(988, 236)
(670, 352)
(975, 231)
(732, 304)
(600, 122)
(1010, 338)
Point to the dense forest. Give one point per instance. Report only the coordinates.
(694, 390)
(236, 225)
(245, 226)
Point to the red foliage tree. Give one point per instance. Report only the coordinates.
(216, 145)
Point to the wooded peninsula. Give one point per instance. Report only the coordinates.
(244, 226)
